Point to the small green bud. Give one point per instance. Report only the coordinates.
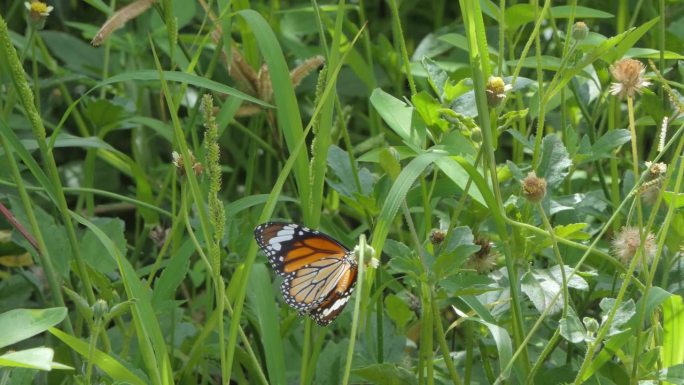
(580, 31)
(100, 309)
(476, 134)
(590, 324)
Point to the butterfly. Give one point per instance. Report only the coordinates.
(319, 272)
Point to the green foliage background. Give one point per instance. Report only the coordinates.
(378, 123)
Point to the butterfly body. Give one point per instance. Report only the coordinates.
(319, 272)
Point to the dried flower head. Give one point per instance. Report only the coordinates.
(627, 242)
(655, 169)
(496, 90)
(437, 236)
(580, 31)
(484, 260)
(655, 174)
(179, 163)
(629, 74)
(534, 187)
(159, 235)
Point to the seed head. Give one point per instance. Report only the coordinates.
(627, 242)
(655, 174)
(484, 260)
(629, 74)
(437, 236)
(534, 187)
(178, 161)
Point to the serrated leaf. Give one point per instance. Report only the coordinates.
(430, 110)
(459, 248)
(623, 314)
(571, 327)
(437, 77)
(542, 285)
(554, 161)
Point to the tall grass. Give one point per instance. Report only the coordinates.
(476, 144)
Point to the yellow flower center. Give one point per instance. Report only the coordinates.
(39, 7)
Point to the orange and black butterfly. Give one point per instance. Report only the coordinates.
(319, 272)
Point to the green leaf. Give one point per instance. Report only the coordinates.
(149, 335)
(571, 327)
(386, 374)
(260, 294)
(674, 200)
(91, 248)
(173, 275)
(604, 145)
(672, 352)
(504, 346)
(403, 259)
(521, 14)
(340, 165)
(673, 374)
(104, 361)
(554, 161)
(430, 110)
(398, 311)
(623, 314)
(400, 117)
(633, 36)
(459, 248)
(74, 52)
(54, 234)
(180, 77)
(20, 324)
(460, 175)
(437, 77)
(36, 358)
(542, 285)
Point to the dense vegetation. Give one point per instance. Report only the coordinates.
(511, 172)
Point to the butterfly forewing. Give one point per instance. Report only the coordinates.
(319, 272)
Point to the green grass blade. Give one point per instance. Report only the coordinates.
(266, 310)
(180, 77)
(148, 331)
(110, 365)
(288, 117)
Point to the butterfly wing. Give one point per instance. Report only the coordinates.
(319, 271)
(334, 303)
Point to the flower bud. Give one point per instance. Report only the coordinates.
(580, 31)
(496, 91)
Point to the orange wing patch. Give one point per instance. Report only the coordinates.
(311, 250)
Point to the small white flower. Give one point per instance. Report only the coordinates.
(38, 8)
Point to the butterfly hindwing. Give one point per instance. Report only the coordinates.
(319, 272)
